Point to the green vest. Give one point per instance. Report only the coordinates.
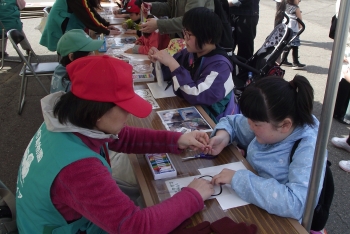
(10, 15)
(53, 31)
(46, 155)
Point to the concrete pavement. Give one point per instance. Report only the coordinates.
(315, 51)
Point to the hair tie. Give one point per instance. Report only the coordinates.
(291, 83)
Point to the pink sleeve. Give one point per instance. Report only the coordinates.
(86, 188)
(141, 140)
(151, 41)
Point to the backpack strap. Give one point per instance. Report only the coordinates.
(295, 146)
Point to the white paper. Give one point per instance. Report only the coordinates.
(159, 74)
(146, 94)
(230, 201)
(217, 169)
(160, 92)
(227, 199)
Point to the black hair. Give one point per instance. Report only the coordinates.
(77, 54)
(272, 99)
(80, 112)
(205, 25)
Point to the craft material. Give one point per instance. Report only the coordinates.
(161, 166)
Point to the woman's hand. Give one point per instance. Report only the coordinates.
(224, 177)
(149, 26)
(111, 27)
(195, 140)
(218, 142)
(203, 187)
(114, 32)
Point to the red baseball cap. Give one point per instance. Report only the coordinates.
(131, 7)
(107, 79)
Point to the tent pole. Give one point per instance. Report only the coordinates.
(334, 73)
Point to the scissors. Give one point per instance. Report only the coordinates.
(201, 155)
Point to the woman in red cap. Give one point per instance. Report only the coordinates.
(65, 183)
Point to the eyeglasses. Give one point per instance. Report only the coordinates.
(212, 178)
(186, 34)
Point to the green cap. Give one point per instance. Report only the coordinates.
(77, 40)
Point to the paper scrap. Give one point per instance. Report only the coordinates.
(160, 92)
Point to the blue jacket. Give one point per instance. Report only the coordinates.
(58, 83)
(205, 81)
(280, 187)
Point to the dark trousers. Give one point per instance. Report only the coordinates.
(244, 34)
(342, 100)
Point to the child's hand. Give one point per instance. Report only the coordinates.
(165, 58)
(151, 52)
(195, 140)
(218, 142)
(203, 187)
(128, 51)
(224, 177)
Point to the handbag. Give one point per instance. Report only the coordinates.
(333, 27)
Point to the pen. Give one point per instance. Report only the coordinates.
(168, 85)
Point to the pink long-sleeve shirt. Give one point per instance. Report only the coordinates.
(86, 188)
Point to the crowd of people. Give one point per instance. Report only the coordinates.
(86, 112)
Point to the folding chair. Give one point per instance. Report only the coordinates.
(29, 69)
(3, 47)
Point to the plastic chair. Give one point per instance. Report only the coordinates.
(3, 47)
(29, 69)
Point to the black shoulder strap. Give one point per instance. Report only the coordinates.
(295, 146)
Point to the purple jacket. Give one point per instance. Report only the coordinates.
(202, 81)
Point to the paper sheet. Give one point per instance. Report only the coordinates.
(146, 94)
(160, 92)
(227, 199)
(217, 169)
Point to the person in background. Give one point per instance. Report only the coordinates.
(275, 114)
(245, 18)
(342, 102)
(201, 73)
(67, 164)
(279, 14)
(147, 40)
(72, 45)
(74, 14)
(10, 19)
(174, 10)
(291, 7)
(343, 95)
(343, 143)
